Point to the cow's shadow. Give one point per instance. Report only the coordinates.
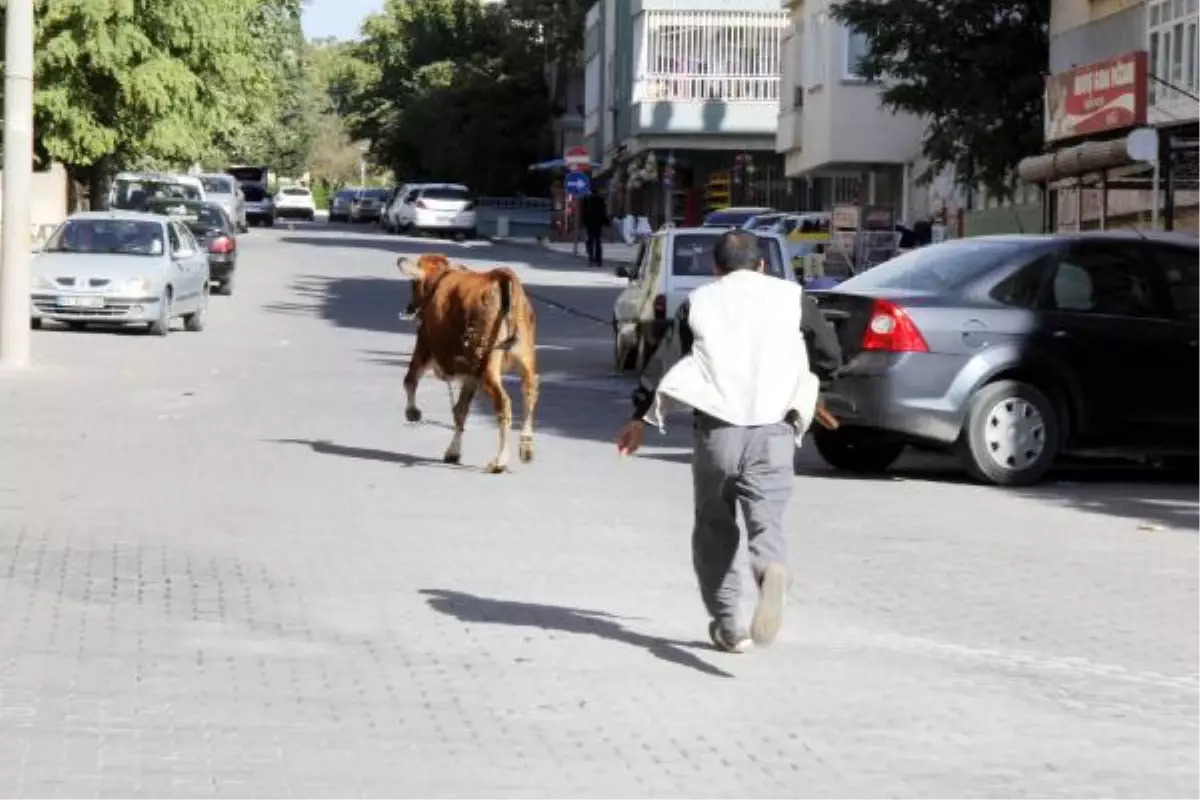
(328, 448)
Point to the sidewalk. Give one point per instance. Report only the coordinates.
(615, 253)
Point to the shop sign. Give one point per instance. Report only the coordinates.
(1105, 96)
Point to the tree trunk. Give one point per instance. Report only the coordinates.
(99, 179)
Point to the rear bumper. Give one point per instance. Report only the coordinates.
(914, 395)
(221, 266)
(294, 211)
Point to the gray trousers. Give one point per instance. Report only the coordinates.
(732, 466)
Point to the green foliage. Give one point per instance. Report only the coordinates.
(973, 69)
(450, 91)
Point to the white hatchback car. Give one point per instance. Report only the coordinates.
(442, 208)
(668, 266)
(295, 201)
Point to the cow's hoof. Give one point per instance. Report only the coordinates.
(495, 469)
(412, 414)
(452, 458)
(526, 450)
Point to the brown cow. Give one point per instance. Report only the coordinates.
(472, 326)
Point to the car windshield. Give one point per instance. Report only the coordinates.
(217, 185)
(943, 267)
(765, 221)
(107, 236)
(295, 191)
(198, 217)
(445, 193)
(692, 255)
(731, 218)
(134, 195)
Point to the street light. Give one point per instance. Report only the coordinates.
(17, 185)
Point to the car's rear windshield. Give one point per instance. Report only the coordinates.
(692, 256)
(295, 191)
(198, 217)
(108, 236)
(133, 195)
(943, 267)
(765, 221)
(374, 194)
(347, 194)
(217, 185)
(445, 193)
(254, 194)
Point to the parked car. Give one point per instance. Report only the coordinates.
(367, 205)
(295, 202)
(260, 208)
(439, 208)
(1013, 350)
(224, 189)
(387, 217)
(215, 232)
(123, 267)
(339, 206)
(132, 191)
(668, 265)
(395, 212)
(734, 216)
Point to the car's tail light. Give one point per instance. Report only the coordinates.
(660, 306)
(222, 244)
(891, 329)
(421, 204)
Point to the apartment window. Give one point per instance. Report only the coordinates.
(712, 55)
(1173, 31)
(815, 49)
(854, 48)
(797, 58)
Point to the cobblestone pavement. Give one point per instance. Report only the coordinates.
(229, 568)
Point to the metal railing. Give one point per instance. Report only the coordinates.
(710, 55)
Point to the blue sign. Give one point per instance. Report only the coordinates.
(579, 184)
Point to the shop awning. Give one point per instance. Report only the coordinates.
(1072, 162)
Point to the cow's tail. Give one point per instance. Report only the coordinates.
(508, 288)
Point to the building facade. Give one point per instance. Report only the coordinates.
(836, 138)
(680, 104)
(1118, 66)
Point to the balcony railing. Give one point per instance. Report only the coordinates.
(697, 56)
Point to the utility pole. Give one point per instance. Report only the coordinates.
(15, 252)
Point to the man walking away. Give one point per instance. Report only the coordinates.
(594, 215)
(737, 355)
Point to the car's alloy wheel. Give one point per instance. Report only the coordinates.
(1011, 434)
(162, 325)
(194, 322)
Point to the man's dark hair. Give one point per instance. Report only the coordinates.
(737, 250)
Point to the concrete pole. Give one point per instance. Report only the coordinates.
(18, 184)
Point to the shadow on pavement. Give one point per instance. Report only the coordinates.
(471, 608)
(328, 448)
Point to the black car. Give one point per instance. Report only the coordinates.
(215, 232)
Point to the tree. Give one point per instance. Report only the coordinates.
(973, 69)
(124, 83)
(450, 93)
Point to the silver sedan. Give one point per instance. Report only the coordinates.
(121, 267)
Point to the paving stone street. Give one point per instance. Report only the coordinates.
(229, 567)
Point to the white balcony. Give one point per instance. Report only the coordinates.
(707, 72)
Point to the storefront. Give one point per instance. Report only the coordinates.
(1105, 164)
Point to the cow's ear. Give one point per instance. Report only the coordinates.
(409, 268)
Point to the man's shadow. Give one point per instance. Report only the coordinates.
(472, 608)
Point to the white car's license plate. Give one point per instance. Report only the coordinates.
(449, 217)
(81, 302)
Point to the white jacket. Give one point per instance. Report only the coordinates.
(748, 363)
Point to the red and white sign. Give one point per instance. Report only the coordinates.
(1106, 96)
(578, 159)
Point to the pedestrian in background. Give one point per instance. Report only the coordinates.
(594, 216)
(737, 355)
